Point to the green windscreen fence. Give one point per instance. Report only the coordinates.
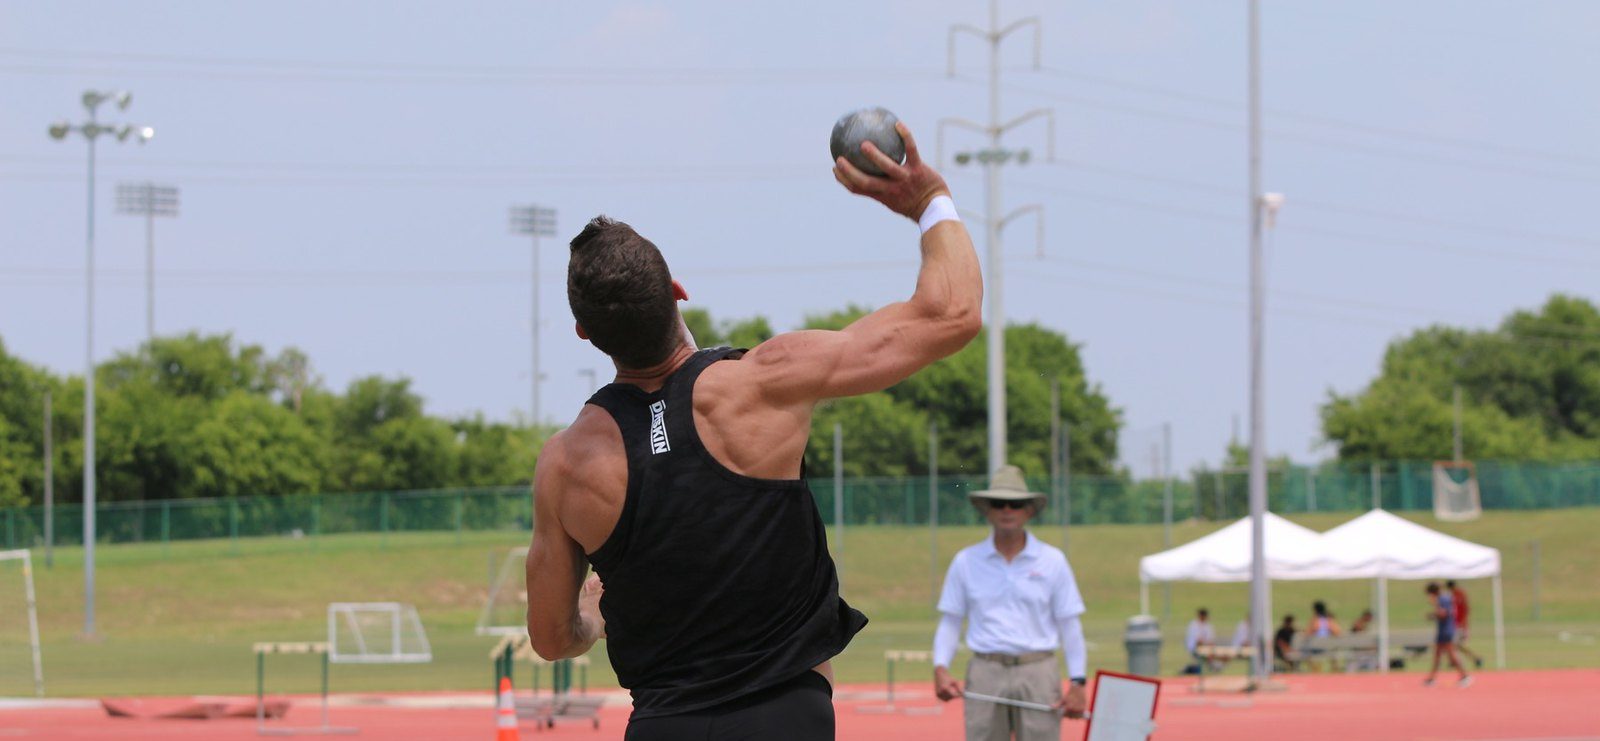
(1214, 495)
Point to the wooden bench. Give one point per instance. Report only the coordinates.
(1359, 651)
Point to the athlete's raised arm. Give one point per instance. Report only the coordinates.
(888, 345)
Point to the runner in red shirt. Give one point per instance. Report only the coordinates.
(1459, 596)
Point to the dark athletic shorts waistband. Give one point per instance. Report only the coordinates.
(797, 709)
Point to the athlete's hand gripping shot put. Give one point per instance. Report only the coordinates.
(680, 482)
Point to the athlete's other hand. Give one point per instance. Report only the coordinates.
(946, 687)
(906, 189)
(589, 606)
(1074, 702)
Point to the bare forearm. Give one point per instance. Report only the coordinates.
(949, 285)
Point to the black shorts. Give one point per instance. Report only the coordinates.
(800, 709)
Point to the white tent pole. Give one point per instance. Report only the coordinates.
(1383, 625)
(1144, 597)
(1499, 626)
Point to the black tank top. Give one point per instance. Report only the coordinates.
(717, 584)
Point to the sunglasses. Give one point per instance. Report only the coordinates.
(1007, 503)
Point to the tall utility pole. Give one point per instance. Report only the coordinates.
(148, 200)
(1261, 664)
(535, 222)
(91, 130)
(992, 159)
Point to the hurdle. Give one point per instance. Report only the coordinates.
(319, 649)
(560, 706)
(890, 658)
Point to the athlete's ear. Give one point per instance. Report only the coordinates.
(582, 335)
(678, 292)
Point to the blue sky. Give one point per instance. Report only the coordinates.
(346, 170)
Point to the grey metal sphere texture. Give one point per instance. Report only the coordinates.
(868, 124)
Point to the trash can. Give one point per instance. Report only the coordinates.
(1143, 641)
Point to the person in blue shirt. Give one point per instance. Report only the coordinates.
(1443, 615)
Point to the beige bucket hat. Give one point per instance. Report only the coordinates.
(1008, 483)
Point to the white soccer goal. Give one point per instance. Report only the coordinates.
(19, 625)
(376, 633)
(505, 612)
(1455, 491)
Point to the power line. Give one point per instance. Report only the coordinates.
(1565, 158)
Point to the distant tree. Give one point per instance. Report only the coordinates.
(1530, 390)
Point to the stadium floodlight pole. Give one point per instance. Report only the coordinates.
(49, 484)
(1261, 665)
(148, 200)
(535, 222)
(91, 130)
(992, 159)
(590, 374)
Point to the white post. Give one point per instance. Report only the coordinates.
(33, 623)
(1383, 625)
(1144, 597)
(1499, 626)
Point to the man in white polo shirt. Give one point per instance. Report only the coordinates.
(1021, 603)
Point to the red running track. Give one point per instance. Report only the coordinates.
(1500, 706)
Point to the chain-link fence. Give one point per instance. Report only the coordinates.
(1215, 495)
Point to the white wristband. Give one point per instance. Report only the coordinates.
(941, 208)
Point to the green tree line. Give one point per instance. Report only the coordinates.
(1529, 389)
(205, 416)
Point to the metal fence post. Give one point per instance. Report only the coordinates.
(166, 528)
(233, 523)
(383, 520)
(461, 504)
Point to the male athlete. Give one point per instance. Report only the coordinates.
(680, 481)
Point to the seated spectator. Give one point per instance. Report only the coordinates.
(1199, 634)
(1323, 624)
(1283, 645)
(1363, 623)
(1242, 632)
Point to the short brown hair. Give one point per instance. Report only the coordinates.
(621, 293)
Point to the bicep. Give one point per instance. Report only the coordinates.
(877, 351)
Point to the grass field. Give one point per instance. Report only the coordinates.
(180, 618)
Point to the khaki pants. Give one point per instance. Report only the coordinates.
(1039, 681)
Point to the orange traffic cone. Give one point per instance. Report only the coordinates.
(506, 720)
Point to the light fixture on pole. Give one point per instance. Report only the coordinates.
(535, 222)
(92, 130)
(992, 158)
(148, 200)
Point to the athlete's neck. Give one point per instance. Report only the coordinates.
(653, 377)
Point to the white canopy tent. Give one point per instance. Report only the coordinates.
(1380, 545)
(1293, 552)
